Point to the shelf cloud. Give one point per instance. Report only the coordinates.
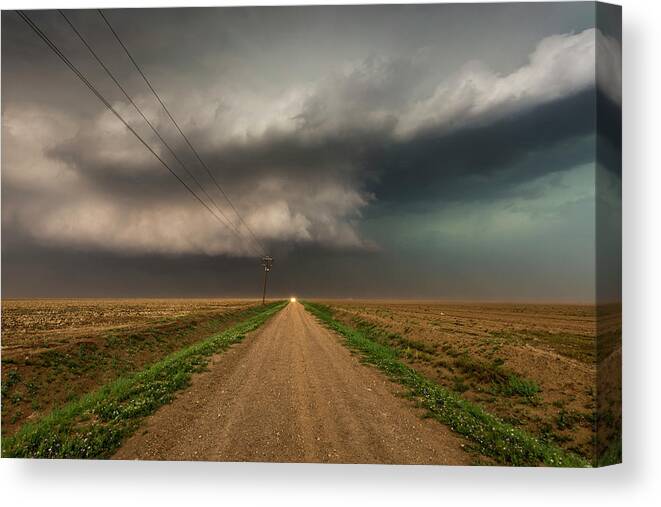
(314, 148)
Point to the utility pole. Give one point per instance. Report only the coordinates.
(267, 262)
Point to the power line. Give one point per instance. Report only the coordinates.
(105, 102)
(190, 145)
(128, 97)
(267, 262)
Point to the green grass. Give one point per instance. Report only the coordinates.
(502, 381)
(613, 453)
(401, 342)
(489, 435)
(520, 386)
(13, 378)
(94, 425)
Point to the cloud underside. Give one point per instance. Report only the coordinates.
(304, 167)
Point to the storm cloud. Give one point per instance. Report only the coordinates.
(318, 154)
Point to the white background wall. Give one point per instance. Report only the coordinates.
(637, 482)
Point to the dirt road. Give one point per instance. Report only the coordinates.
(291, 392)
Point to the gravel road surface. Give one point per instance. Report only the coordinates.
(291, 392)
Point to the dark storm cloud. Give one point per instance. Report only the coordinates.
(311, 119)
(609, 134)
(465, 165)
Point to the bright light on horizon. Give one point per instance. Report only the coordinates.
(293, 300)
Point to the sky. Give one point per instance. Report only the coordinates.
(419, 151)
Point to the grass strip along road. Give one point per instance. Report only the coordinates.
(491, 436)
(95, 425)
